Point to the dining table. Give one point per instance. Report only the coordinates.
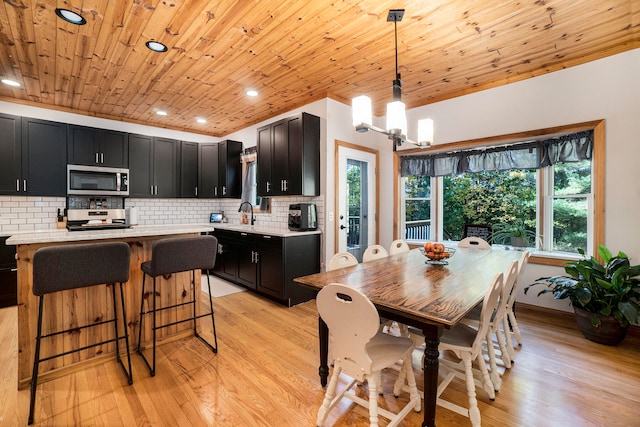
(415, 291)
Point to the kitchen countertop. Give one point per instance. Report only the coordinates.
(260, 229)
(54, 236)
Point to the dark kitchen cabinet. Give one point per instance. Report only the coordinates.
(220, 170)
(97, 147)
(8, 274)
(188, 169)
(153, 166)
(10, 154)
(268, 264)
(289, 157)
(226, 265)
(33, 157)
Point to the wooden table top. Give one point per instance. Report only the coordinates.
(407, 286)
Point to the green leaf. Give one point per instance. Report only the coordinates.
(583, 296)
(629, 311)
(604, 253)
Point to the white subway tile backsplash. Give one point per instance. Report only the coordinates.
(39, 213)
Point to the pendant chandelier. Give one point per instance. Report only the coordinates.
(396, 117)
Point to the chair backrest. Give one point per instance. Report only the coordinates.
(511, 300)
(374, 252)
(489, 306)
(398, 246)
(507, 288)
(177, 254)
(474, 242)
(341, 260)
(352, 321)
(63, 267)
(524, 259)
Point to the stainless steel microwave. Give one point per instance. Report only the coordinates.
(97, 181)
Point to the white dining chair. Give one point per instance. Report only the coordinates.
(511, 324)
(374, 252)
(465, 343)
(496, 324)
(361, 352)
(398, 246)
(341, 260)
(474, 242)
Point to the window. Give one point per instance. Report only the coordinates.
(417, 208)
(554, 205)
(569, 202)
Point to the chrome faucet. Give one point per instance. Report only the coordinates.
(253, 220)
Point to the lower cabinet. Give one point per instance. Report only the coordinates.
(268, 264)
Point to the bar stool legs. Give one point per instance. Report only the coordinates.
(36, 359)
(154, 311)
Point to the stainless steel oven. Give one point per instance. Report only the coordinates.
(97, 181)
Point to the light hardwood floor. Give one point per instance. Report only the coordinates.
(265, 374)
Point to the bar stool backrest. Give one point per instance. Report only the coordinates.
(177, 254)
(59, 268)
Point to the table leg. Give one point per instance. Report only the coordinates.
(432, 335)
(323, 335)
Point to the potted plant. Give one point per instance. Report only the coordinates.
(605, 295)
(517, 234)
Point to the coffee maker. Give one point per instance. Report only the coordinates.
(303, 217)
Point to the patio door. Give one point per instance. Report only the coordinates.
(356, 198)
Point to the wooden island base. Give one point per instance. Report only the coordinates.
(83, 306)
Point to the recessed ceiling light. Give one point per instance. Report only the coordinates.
(201, 120)
(10, 82)
(161, 113)
(70, 16)
(156, 46)
(252, 92)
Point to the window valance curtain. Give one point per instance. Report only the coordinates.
(528, 155)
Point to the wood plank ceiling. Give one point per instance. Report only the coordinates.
(293, 52)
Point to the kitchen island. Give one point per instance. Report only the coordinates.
(85, 305)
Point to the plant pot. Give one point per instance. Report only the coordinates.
(519, 242)
(610, 332)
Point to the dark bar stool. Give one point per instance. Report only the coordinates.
(175, 255)
(61, 268)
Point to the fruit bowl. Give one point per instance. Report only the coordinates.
(437, 253)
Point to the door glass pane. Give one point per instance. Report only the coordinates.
(357, 207)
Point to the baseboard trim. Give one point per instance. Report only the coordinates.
(632, 331)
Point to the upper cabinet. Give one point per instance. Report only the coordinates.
(33, 157)
(289, 157)
(10, 154)
(220, 170)
(97, 147)
(153, 166)
(188, 169)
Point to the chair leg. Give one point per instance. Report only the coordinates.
(495, 376)
(36, 363)
(127, 372)
(373, 380)
(328, 396)
(474, 412)
(141, 317)
(506, 359)
(214, 347)
(514, 326)
(507, 338)
(153, 369)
